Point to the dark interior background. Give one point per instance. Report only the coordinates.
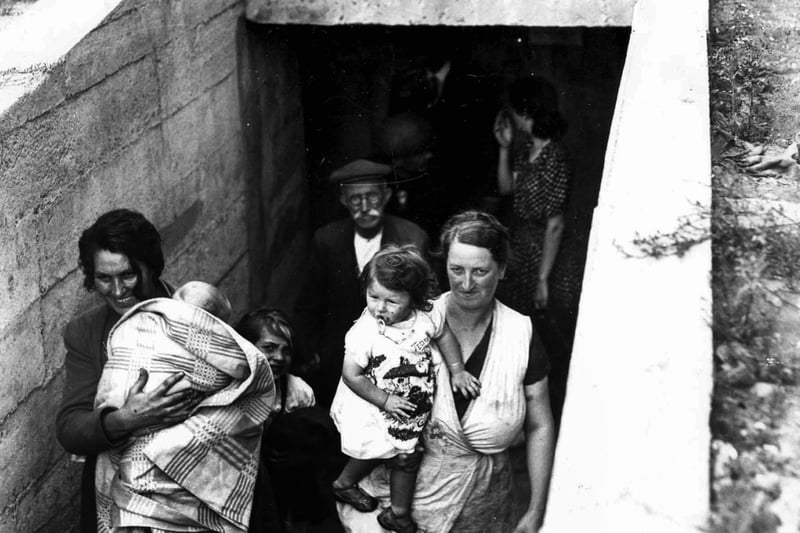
(344, 74)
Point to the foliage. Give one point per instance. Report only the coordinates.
(740, 85)
(752, 249)
(689, 232)
(756, 262)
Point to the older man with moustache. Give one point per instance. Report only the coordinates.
(331, 298)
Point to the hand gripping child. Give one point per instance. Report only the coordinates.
(385, 395)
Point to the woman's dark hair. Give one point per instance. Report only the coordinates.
(535, 97)
(273, 320)
(402, 268)
(125, 232)
(477, 228)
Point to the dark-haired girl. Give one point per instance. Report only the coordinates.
(384, 397)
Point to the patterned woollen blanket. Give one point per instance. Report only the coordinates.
(198, 475)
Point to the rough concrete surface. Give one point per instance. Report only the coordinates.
(23, 349)
(56, 485)
(432, 12)
(28, 450)
(140, 110)
(275, 155)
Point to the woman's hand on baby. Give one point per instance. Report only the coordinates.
(465, 384)
(399, 407)
(159, 406)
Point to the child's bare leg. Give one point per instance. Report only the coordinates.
(353, 472)
(397, 517)
(402, 484)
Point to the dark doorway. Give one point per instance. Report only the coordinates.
(315, 98)
(347, 75)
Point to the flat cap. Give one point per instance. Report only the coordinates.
(359, 171)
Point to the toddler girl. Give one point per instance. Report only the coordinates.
(384, 397)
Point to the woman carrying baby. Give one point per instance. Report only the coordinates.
(384, 398)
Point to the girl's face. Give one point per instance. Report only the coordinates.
(277, 350)
(387, 305)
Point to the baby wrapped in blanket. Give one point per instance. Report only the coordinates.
(197, 475)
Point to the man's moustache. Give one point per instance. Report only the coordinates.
(371, 213)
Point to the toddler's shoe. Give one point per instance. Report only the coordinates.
(353, 495)
(402, 524)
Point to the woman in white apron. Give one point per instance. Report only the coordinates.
(464, 481)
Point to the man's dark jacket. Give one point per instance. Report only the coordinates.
(331, 299)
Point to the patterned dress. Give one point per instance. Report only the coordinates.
(399, 360)
(541, 191)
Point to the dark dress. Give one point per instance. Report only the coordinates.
(299, 450)
(541, 191)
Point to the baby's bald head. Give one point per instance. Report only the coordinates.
(204, 296)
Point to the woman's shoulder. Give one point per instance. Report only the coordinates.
(507, 314)
(435, 316)
(440, 302)
(300, 391)
(297, 382)
(555, 151)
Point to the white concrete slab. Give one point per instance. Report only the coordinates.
(633, 451)
(450, 12)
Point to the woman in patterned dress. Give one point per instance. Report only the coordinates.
(543, 280)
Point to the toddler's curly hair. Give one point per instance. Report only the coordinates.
(402, 268)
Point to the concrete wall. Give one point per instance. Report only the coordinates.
(634, 446)
(272, 113)
(141, 110)
(456, 13)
